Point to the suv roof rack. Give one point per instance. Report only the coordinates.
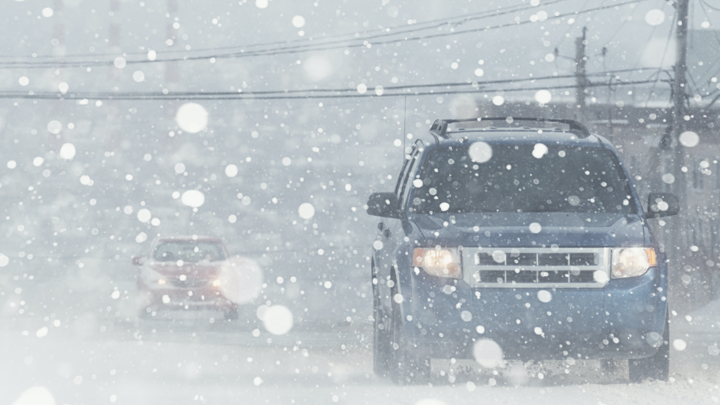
(439, 127)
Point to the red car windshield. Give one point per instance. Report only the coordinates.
(189, 251)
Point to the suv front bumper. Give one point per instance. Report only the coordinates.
(625, 319)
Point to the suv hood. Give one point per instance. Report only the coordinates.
(514, 229)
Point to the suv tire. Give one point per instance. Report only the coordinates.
(657, 366)
(381, 336)
(406, 367)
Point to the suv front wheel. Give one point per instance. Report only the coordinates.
(381, 334)
(656, 367)
(406, 366)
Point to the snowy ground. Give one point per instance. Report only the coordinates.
(188, 362)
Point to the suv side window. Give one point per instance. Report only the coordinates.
(407, 180)
(403, 173)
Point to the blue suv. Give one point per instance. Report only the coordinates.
(517, 242)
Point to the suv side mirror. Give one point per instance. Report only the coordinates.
(662, 205)
(383, 205)
(137, 261)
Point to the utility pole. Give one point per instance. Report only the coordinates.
(680, 82)
(580, 75)
(679, 108)
(676, 246)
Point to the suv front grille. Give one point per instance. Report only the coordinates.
(536, 267)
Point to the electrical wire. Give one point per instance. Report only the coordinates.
(339, 90)
(667, 43)
(296, 49)
(715, 34)
(691, 83)
(488, 28)
(709, 6)
(562, 38)
(384, 32)
(612, 37)
(241, 96)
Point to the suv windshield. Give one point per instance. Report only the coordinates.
(191, 252)
(523, 178)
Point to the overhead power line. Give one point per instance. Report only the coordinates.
(612, 73)
(344, 44)
(353, 90)
(717, 39)
(709, 5)
(662, 59)
(242, 96)
(381, 32)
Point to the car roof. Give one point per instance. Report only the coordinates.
(524, 135)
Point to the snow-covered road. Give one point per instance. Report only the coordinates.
(167, 362)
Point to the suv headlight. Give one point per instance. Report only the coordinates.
(632, 262)
(438, 262)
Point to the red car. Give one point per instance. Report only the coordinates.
(193, 273)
